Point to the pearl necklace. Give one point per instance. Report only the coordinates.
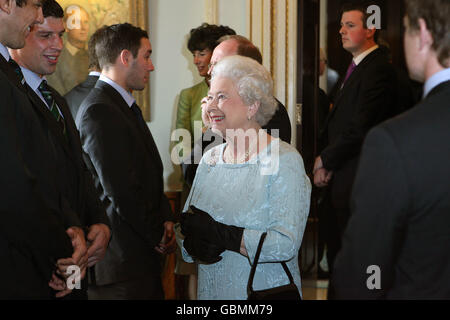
(229, 158)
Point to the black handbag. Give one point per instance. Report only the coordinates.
(286, 292)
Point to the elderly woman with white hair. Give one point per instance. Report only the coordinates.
(253, 183)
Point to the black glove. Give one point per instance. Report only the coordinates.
(201, 224)
(202, 250)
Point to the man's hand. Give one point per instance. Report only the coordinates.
(98, 240)
(79, 256)
(58, 284)
(168, 243)
(322, 176)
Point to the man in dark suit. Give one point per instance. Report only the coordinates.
(279, 125)
(33, 232)
(397, 244)
(76, 96)
(80, 202)
(367, 97)
(127, 167)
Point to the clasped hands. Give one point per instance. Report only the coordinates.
(206, 239)
(85, 254)
(322, 176)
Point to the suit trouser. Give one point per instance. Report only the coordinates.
(145, 288)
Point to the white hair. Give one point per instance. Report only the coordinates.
(253, 82)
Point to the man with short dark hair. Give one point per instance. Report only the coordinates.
(127, 168)
(76, 96)
(81, 204)
(73, 67)
(366, 97)
(397, 245)
(32, 233)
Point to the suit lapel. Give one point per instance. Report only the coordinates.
(43, 111)
(73, 136)
(10, 73)
(146, 135)
(354, 77)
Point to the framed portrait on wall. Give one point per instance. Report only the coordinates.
(81, 19)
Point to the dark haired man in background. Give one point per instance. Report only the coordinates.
(127, 167)
(397, 245)
(366, 97)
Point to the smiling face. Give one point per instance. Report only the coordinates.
(225, 108)
(20, 21)
(201, 61)
(140, 67)
(355, 37)
(42, 47)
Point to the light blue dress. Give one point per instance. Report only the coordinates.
(269, 193)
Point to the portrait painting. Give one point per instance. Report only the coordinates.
(81, 19)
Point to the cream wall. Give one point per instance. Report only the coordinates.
(169, 24)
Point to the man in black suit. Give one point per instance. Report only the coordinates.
(367, 97)
(234, 45)
(127, 168)
(38, 58)
(76, 96)
(33, 230)
(397, 244)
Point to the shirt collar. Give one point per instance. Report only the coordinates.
(32, 79)
(95, 73)
(4, 52)
(361, 56)
(129, 99)
(435, 80)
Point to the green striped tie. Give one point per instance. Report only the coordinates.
(17, 70)
(48, 96)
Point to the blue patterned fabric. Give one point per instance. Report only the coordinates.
(269, 193)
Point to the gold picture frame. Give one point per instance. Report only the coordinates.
(93, 15)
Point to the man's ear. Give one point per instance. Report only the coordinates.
(125, 57)
(371, 33)
(426, 39)
(7, 5)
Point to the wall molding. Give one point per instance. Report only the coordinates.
(272, 26)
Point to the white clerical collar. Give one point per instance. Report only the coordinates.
(361, 56)
(129, 99)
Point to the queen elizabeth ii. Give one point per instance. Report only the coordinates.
(251, 184)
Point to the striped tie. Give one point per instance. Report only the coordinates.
(48, 96)
(17, 70)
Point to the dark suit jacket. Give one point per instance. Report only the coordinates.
(280, 121)
(401, 208)
(32, 232)
(76, 96)
(127, 168)
(74, 179)
(367, 98)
